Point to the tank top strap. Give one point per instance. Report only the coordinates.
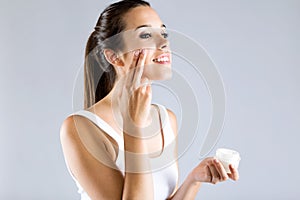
(166, 126)
(103, 125)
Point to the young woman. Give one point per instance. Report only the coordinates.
(121, 146)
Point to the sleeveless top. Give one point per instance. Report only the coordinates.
(164, 167)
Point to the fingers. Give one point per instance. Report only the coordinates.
(234, 175)
(134, 59)
(130, 74)
(214, 173)
(218, 172)
(221, 170)
(136, 68)
(139, 69)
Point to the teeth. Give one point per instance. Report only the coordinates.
(163, 59)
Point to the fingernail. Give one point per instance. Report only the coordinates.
(136, 53)
(143, 51)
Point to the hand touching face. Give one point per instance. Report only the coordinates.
(145, 30)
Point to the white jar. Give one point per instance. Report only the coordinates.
(228, 156)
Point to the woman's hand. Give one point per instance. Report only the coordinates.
(211, 170)
(141, 92)
(135, 94)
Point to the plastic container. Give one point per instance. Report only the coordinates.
(228, 156)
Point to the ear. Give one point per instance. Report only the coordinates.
(112, 58)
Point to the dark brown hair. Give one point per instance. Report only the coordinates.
(99, 74)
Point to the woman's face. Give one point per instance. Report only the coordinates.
(145, 30)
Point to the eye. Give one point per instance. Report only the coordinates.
(165, 35)
(145, 35)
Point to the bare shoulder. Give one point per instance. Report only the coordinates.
(173, 120)
(80, 134)
(69, 127)
(90, 170)
(73, 125)
(69, 134)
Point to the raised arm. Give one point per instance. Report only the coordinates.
(135, 104)
(103, 180)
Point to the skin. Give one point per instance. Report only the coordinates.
(128, 110)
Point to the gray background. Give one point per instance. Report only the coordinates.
(255, 45)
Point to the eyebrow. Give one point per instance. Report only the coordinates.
(148, 25)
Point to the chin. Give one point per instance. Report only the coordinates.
(158, 72)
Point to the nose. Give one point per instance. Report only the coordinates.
(163, 44)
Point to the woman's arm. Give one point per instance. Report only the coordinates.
(138, 183)
(135, 105)
(187, 191)
(210, 170)
(100, 177)
(101, 180)
(189, 188)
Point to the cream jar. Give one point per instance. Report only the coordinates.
(228, 156)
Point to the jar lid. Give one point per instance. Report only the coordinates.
(228, 154)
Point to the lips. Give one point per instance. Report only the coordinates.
(162, 59)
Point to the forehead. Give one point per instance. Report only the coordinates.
(142, 15)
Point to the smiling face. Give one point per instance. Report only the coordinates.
(145, 30)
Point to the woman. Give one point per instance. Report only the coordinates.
(111, 145)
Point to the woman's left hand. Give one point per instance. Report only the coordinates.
(211, 170)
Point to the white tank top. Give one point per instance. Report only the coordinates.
(164, 167)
